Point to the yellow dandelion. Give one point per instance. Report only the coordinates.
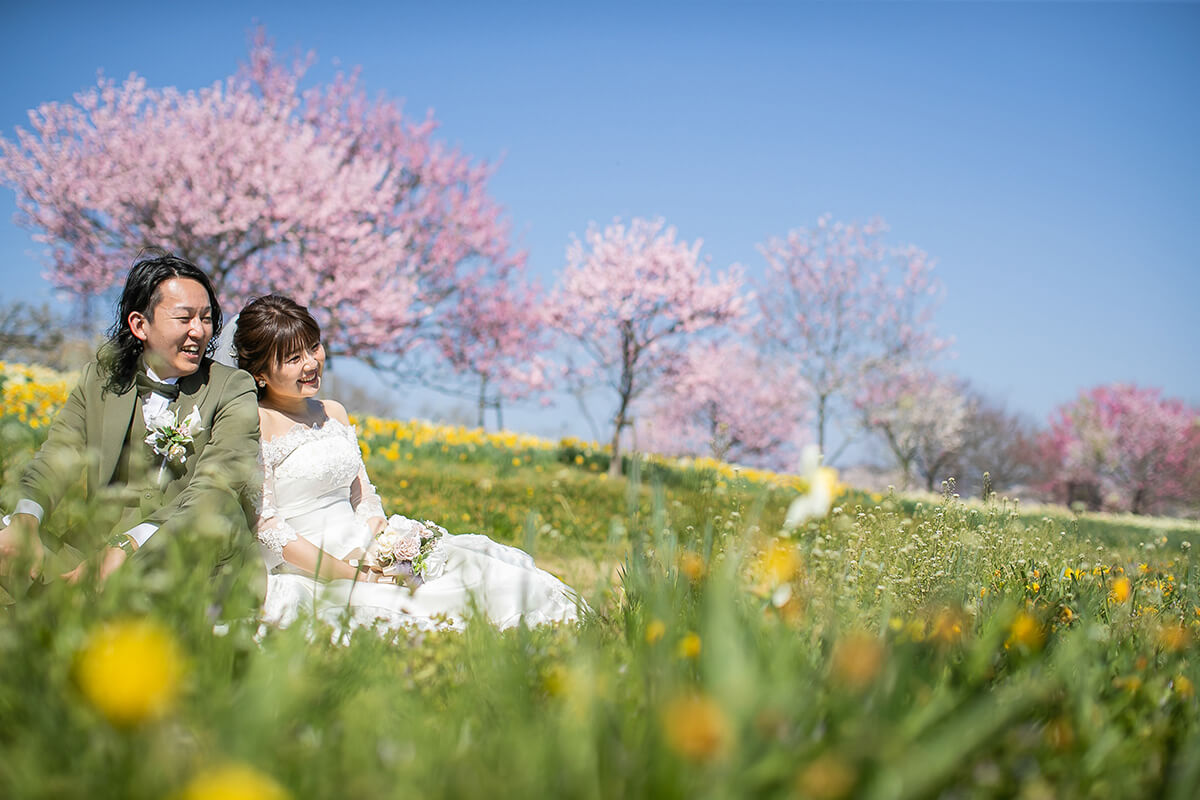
(1025, 631)
(857, 659)
(778, 564)
(827, 778)
(696, 728)
(1184, 687)
(233, 782)
(689, 646)
(655, 631)
(947, 626)
(1120, 590)
(130, 671)
(692, 565)
(1173, 637)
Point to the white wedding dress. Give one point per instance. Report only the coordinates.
(316, 486)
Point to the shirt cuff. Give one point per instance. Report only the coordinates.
(31, 507)
(142, 533)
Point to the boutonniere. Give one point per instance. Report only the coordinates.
(170, 438)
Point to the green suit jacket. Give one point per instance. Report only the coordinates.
(212, 491)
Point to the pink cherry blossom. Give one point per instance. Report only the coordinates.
(921, 417)
(1141, 449)
(846, 308)
(344, 203)
(630, 299)
(725, 400)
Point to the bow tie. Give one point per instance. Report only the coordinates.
(147, 384)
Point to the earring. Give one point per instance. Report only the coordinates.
(261, 384)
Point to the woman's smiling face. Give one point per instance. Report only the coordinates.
(298, 374)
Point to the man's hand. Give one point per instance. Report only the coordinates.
(113, 558)
(20, 541)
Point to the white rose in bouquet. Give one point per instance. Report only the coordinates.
(408, 548)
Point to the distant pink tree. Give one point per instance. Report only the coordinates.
(847, 308)
(496, 338)
(631, 298)
(343, 203)
(1140, 448)
(724, 400)
(920, 416)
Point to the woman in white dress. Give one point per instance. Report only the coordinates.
(320, 513)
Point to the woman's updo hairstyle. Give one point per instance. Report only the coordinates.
(270, 329)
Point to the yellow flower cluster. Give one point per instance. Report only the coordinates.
(415, 433)
(33, 394)
(419, 433)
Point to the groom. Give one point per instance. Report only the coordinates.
(190, 490)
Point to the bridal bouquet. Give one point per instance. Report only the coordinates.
(403, 547)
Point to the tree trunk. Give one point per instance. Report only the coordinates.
(821, 401)
(1139, 501)
(614, 464)
(482, 399)
(628, 359)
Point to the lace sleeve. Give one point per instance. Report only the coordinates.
(274, 533)
(363, 497)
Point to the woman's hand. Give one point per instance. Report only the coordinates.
(20, 538)
(376, 525)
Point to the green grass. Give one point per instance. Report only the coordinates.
(895, 649)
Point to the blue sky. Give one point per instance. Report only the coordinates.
(1045, 154)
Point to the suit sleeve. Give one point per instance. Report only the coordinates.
(61, 459)
(226, 477)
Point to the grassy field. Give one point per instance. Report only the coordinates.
(896, 648)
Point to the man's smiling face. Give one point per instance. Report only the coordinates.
(177, 328)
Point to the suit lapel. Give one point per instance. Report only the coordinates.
(118, 415)
(192, 391)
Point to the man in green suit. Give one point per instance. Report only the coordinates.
(166, 440)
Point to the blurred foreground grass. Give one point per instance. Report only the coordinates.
(895, 649)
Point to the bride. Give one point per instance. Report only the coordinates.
(320, 514)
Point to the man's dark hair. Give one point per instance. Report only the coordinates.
(119, 355)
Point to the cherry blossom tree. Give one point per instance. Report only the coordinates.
(346, 204)
(1000, 443)
(630, 299)
(921, 417)
(1142, 449)
(723, 399)
(846, 307)
(496, 339)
